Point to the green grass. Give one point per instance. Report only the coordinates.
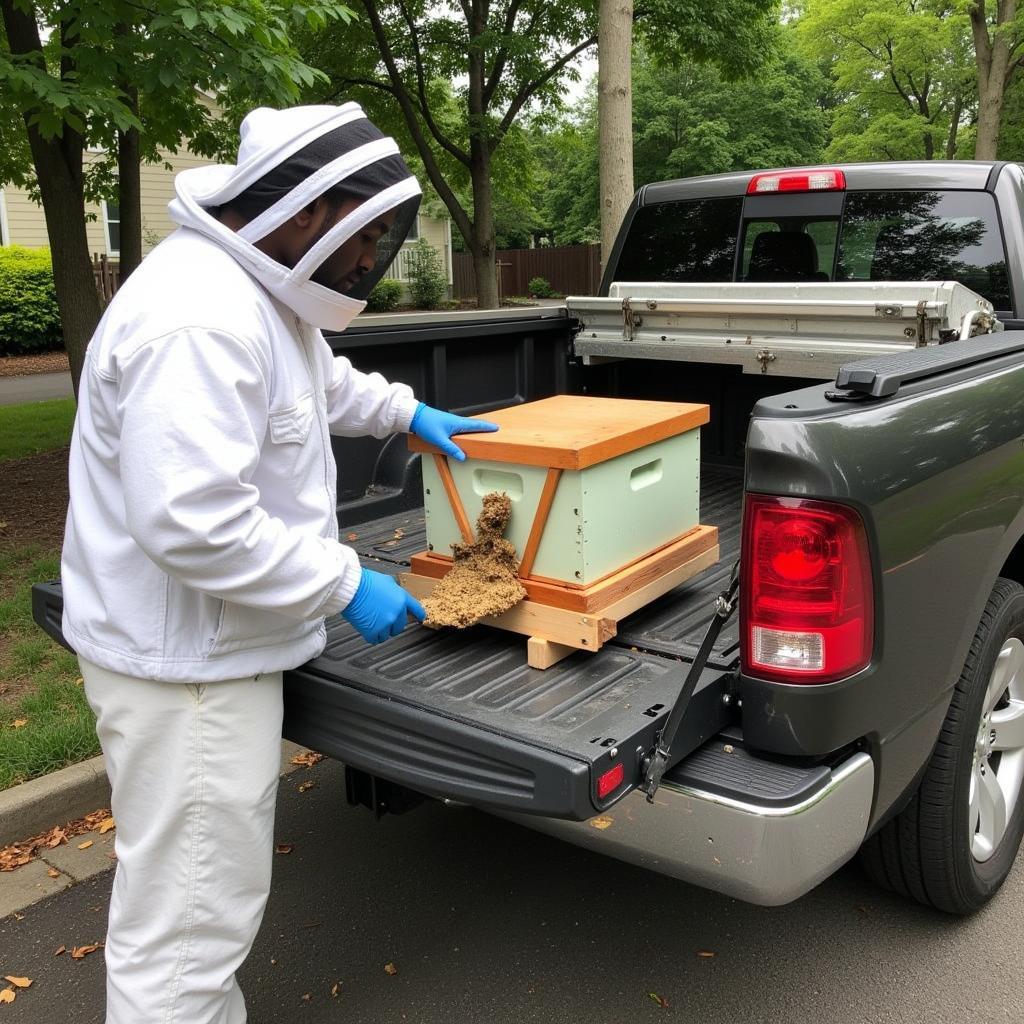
(59, 728)
(35, 427)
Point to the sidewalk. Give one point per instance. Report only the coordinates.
(54, 799)
(35, 387)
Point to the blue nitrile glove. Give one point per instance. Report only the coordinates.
(436, 427)
(380, 607)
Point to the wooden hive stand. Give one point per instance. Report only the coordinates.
(560, 618)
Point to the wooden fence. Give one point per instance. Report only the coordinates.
(569, 269)
(107, 276)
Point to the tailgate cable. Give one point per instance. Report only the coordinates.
(656, 764)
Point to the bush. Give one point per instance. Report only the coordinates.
(29, 318)
(384, 296)
(540, 289)
(426, 276)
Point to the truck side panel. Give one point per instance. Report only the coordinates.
(938, 474)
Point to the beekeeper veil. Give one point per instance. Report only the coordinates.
(286, 160)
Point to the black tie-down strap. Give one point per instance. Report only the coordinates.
(657, 763)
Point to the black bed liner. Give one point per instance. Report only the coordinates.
(468, 719)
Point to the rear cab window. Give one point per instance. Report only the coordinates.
(898, 235)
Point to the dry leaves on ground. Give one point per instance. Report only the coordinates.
(85, 845)
(18, 982)
(18, 723)
(284, 848)
(391, 969)
(706, 953)
(660, 1000)
(17, 854)
(7, 995)
(308, 759)
(81, 952)
(308, 784)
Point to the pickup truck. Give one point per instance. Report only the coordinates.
(858, 332)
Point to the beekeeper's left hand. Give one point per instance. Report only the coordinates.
(436, 428)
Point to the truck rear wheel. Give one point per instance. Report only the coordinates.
(954, 844)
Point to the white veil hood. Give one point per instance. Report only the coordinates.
(286, 159)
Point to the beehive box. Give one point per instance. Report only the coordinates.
(596, 483)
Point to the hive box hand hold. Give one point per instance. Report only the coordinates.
(605, 510)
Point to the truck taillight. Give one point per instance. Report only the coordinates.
(823, 180)
(806, 605)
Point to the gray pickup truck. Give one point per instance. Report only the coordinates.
(857, 333)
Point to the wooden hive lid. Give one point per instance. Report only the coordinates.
(575, 431)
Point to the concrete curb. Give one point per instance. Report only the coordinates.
(71, 793)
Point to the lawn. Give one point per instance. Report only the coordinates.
(45, 721)
(35, 427)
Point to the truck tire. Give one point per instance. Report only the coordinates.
(954, 844)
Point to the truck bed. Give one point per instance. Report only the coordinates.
(469, 720)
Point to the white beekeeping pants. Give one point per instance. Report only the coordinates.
(194, 772)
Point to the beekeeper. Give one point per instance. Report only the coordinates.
(201, 554)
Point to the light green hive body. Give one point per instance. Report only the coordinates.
(602, 518)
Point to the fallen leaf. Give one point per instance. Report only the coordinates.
(57, 836)
(284, 848)
(53, 873)
(85, 845)
(309, 784)
(352, 536)
(59, 950)
(390, 968)
(80, 952)
(334, 989)
(106, 825)
(728, 748)
(18, 982)
(309, 758)
(7, 995)
(706, 953)
(306, 997)
(602, 822)
(399, 534)
(19, 722)
(660, 1000)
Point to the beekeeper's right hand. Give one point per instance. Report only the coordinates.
(380, 607)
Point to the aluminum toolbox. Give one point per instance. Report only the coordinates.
(794, 330)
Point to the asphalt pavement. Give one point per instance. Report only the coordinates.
(35, 387)
(486, 921)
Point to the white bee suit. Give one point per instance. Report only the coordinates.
(201, 553)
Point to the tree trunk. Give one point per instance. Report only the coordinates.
(483, 241)
(615, 117)
(129, 190)
(954, 127)
(58, 167)
(992, 57)
(129, 201)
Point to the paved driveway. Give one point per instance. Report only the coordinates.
(487, 922)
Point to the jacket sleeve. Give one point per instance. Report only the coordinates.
(363, 403)
(194, 408)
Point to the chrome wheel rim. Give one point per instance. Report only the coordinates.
(998, 765)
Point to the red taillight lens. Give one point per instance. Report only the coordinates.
(807, 606)
(823, 180)
(610, 780)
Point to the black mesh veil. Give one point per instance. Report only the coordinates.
(361, 176)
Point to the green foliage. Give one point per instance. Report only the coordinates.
(688, 119)
(539, 288)
(35, 427)
(903, 73)
(426, 276)
(385, 296)
(29, 318)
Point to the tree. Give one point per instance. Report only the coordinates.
(902, 69)
(688, 120)
(510, 59)
(997, 29)
(122, 74)
(614, 117)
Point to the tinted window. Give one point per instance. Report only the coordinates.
(683, 241)
(795, 249)
(924, 236)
